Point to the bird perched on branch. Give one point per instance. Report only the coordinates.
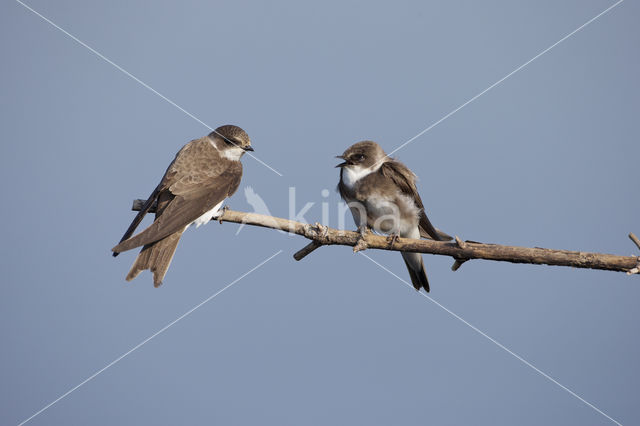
(381, 194)
(203, 174)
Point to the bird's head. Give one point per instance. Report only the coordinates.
(231, 140)
(362, 155)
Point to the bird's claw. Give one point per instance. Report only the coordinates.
(222, 212)
(361, 244)
(392, 238)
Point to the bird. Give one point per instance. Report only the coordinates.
(203, 174)
(382, 195)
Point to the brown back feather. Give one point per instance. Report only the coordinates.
(405, 179)
(196, 181)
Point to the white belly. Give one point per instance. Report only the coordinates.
(205, 218)
(387, 217)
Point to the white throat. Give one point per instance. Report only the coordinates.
(352, 174)
(233, 153)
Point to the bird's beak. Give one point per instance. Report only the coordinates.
(248, 148)
(341, 164)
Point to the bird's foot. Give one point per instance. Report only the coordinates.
(223, 210)
(392, 238)
(361, 244)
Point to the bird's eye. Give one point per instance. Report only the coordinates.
(229, 141)
(358, 157)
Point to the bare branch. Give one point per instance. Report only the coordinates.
(460, 250)
(458, 262)
(460, 243)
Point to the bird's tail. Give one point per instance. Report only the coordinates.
(156, 257)
(416, 270)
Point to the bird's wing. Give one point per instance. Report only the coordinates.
(188, 205)
(169, 177)
(405, 180)
(198, 181)
(141, 214)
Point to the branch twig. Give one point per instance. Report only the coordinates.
(300, 254)
(460, 250)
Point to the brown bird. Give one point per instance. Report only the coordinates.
(204, 173)
(381, 194)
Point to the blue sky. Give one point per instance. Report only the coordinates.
(548, 157)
